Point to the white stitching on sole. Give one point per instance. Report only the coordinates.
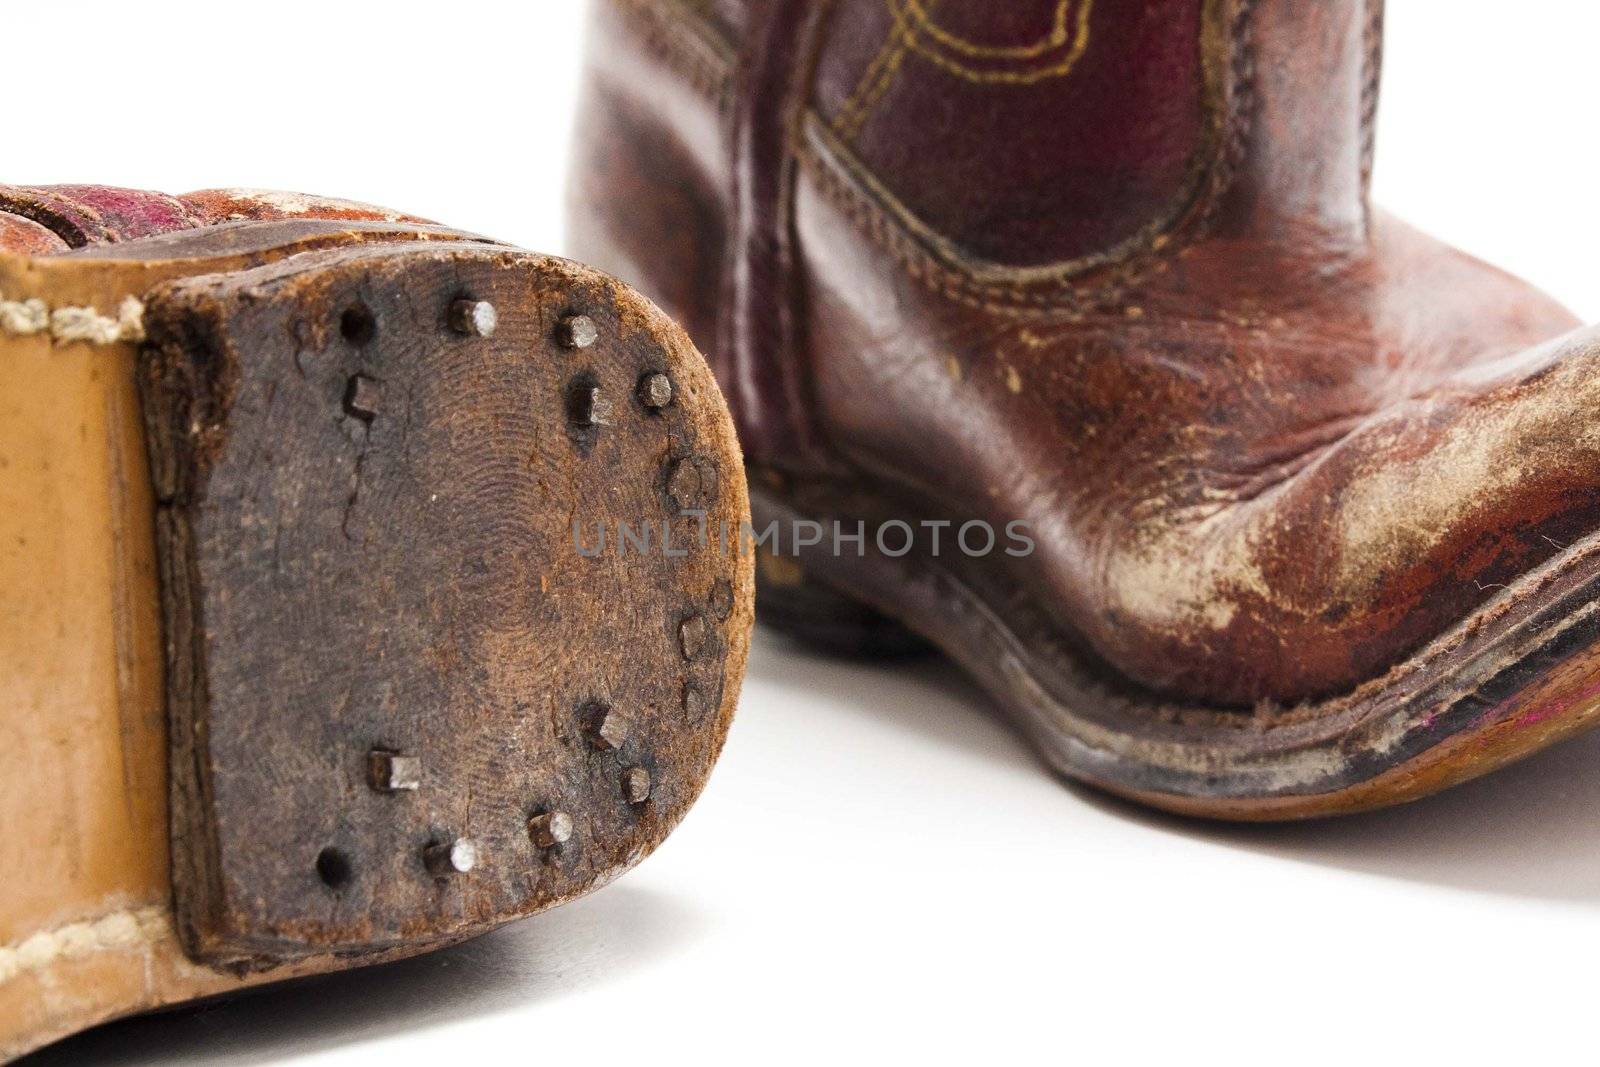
(123, 929)
(24, 318)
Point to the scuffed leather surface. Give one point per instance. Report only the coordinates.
(92, 214)
(1258, 499)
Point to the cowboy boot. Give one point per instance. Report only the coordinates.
(303, 666)
(1275, 506)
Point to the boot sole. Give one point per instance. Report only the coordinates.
(1514, 677)
(334, 676)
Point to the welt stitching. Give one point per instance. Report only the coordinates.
(1268, 717)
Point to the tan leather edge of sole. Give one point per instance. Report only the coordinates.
(127, 961)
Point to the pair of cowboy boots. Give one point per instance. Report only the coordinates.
(1060, 334)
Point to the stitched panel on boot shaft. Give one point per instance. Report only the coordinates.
(1026, 133)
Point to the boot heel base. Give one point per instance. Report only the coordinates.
(406, 705)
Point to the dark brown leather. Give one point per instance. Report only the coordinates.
(1268, 449)
(761, 299)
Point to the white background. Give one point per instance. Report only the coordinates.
(878, 870)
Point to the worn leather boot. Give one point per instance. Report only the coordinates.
(302, 665)
(1308, 501)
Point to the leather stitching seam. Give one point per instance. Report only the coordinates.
(1076, 44)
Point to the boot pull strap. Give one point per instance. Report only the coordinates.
(757, 332)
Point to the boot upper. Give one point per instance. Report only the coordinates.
(1111, 268)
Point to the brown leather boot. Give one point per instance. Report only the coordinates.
(1311, 499)
(303, 664)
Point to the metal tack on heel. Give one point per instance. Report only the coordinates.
(606, 728)
(655, 391)
(390, 772)
(550, 828)
(577, 331)
(587, 406)
(636, 785)
(474, 318)
(452, 857)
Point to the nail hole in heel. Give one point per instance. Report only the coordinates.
(334, 868)
(357, 325)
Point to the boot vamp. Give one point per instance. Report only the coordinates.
(1262, 478)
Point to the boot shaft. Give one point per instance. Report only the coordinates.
(1025, 134)
(1054, 133)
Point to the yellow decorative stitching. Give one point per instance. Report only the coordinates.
(880, 74)
(891, 45)
(954, 54)
(1055, 39)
